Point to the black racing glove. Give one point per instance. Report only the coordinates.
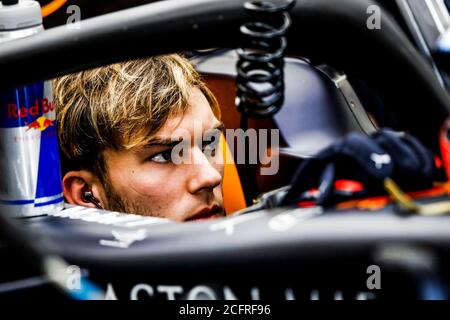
(368, 159)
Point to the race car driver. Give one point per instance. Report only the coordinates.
(116, 128)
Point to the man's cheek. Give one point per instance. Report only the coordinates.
(145, 186)
(168, 208)
(157, 204)
(220, 167)
(218, 194)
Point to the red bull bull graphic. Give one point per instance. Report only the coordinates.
(29, 156)
(40, 123)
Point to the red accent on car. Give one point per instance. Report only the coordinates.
(445, 146)
(350, 186)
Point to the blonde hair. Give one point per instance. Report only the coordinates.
(121, 106)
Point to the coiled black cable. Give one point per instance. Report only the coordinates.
(260, 79)
(260, 75)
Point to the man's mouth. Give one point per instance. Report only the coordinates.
(207, 213)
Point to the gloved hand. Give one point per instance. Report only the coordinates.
(368, 159)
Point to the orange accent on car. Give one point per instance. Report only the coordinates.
(233, 195)
(372, 204)
(51, 7)
(378, 203)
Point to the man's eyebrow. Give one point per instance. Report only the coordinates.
(162, 142)
(168, 142)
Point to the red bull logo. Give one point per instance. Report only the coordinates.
(37, 108)
(40, 123)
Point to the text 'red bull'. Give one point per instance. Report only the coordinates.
(30, 159)
(37, 108)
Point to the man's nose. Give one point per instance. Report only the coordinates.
(203, 175)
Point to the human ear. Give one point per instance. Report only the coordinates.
(77, 183)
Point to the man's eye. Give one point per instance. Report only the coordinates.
(162, 157)
(211, 145)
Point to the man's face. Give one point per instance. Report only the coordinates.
(148, 182)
